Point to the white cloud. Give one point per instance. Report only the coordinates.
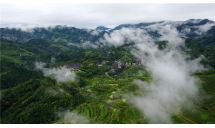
(61, 74)
(73, 117)
(205, 27)
(119, 37)
(172, 86)
(168, 31)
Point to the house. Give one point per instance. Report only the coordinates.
(74, 67)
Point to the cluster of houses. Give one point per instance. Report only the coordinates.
(116, 67)
(120, 65)
(74, 67)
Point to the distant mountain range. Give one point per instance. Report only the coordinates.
(189, 28)
(34, 60)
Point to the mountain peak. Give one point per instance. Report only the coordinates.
(102, 28)
(197, 21)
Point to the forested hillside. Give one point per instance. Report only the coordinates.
(37, 66)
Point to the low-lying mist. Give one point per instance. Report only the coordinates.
(61, 74)
(72, 117)
(173, 86)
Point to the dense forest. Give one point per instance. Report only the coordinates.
(104, 75)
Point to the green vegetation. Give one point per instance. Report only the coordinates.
(204, 110)
(29, 97)
(103, 84)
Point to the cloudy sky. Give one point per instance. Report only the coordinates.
(92, 15)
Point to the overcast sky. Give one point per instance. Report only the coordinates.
(92, 15)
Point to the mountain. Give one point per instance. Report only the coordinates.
(189, 28)
(34, 60)
(102, 28)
